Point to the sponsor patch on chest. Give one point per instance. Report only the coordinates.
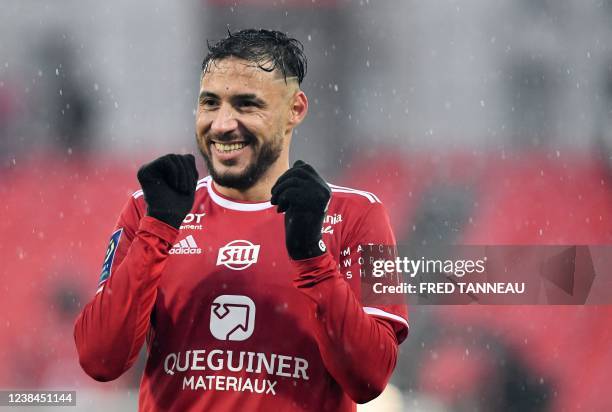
(238, 254)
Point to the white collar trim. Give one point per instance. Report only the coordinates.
(229, 204)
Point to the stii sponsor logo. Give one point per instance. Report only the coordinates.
(238, 254)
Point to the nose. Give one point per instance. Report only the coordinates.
(224, 120)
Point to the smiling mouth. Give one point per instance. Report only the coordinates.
(229, 147)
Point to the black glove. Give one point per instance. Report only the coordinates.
(303, 196)
(169, 185)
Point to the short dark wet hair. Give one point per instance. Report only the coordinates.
(268, 49)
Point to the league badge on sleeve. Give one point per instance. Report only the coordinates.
(110, 255)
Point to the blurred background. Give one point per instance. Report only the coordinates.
(478, 121)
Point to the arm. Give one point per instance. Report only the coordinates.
(111, 329)
(358, 350)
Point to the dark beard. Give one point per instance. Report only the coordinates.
(269, 153)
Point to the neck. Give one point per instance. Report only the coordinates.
(260, 191)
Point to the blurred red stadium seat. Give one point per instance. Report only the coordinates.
(520, 199)
(57, 215)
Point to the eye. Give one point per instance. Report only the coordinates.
(247, 103)
(208, 103)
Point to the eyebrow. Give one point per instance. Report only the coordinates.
(204, 94)
(243, 96)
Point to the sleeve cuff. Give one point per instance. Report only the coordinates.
(314, 270)
(158, 228)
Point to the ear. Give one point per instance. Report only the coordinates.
(298, 109)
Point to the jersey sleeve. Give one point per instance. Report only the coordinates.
(372, 229)
(111, 328)
(359, 346)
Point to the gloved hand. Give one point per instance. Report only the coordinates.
(169, 184)
(304, 196)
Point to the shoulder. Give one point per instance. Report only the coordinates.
(353, 195)
(355, 204)
(361, 214)
(353, 198)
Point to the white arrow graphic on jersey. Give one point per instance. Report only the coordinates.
(232, 317)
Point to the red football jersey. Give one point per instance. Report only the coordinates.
(231, 322)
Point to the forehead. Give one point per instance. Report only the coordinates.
(232, 75)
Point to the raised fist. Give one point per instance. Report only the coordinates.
(303, 195)
(169, 184)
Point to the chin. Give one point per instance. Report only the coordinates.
(229, 170)
(231, 173)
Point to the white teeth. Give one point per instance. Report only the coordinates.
(229, 147)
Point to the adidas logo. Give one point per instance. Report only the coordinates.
(186, 246)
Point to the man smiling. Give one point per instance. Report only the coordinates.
(255, 307)
(243, 138)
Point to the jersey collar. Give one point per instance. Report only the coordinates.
(233, 204)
